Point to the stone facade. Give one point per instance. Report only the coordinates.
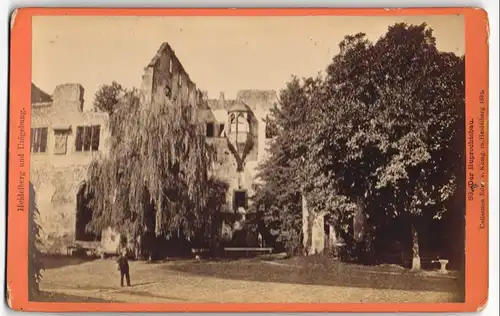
(60, 155)
(165, 78)
(237, 128)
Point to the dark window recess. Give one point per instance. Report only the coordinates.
(96, 135)
(87, 138)
(221, 130)
(240, 199)
(210, 130)
(79, 138)
(39, 140)
(168, 92)
(84, 214)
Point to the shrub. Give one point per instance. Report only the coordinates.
(35, 266)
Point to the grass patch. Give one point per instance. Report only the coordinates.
(321, 271)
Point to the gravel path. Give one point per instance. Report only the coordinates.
(158, 283)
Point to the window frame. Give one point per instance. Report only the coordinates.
(61, 132)
(245, 199)
(244, 123)
(212, 124)
(35, 134)
(232, 121)
(222, 127)
(82, 131)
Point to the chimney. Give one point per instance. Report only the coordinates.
(69, 97)
(221, 100)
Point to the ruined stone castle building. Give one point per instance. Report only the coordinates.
(236, 128)
(65, 138)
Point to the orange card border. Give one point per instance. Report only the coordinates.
(476, 34)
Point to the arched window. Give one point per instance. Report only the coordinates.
(232, 123)
(243, 126)
(239, 134)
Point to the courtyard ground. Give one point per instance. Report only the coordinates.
(295, 280)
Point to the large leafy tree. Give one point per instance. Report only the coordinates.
(395, 126)
(383, 133)
(280, 190)
(155, 177)
(421, 105)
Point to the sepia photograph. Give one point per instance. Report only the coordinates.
(247, 159)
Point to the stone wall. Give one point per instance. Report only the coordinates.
(165, 78)
(55, 192)
(57, 176)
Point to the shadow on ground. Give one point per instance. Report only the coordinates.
(59, 261)
(324, 271)
(44, 296)
(147, 294)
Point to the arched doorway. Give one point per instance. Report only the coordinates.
(84, 216)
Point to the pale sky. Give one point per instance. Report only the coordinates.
(221, 54)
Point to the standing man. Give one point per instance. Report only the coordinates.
(122, 260)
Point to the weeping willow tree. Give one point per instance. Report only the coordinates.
(155, 177)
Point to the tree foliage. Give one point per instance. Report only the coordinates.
(383, 132)
(108, 97)
(155, 176)
(35, 265)
(279, 194)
